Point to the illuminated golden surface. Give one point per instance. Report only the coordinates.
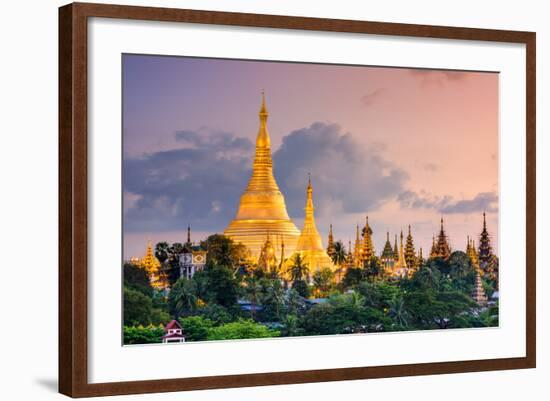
(310, 244)
(262, 207)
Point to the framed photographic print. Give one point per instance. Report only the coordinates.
(252, 200)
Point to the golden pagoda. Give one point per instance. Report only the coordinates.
(153, 268)
(268, 259)
(400, 268)
(262, 207)
(310, 244)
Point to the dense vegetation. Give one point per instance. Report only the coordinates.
(230, 299)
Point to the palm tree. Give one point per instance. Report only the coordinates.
(355, 299)
(162, 251)
(273, 295)
(298, 270)
(322, 280)
(398, 311)
(253, 291)
(183, 296)
(339, 255)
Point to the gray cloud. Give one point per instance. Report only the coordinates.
(484, 201)
(370, 98)
(348, 176)
(201, 181)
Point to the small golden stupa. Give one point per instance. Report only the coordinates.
(310, 244)
(262, 207)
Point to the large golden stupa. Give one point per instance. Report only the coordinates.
(262, 209)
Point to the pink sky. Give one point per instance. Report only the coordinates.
(440, 128)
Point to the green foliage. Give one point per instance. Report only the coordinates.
(222, 286)
(343, 314)
(353, 277)
(137, 308)
(378, 295)
(339, 255)
(196, 328)
(223, 251)
(373, 269)
(162, 251)
(299, 270)
(159, 316)
(437, 296)
(301, 287)
(272, 298)
(323, 280)
(142, 335)
(183, 297)
(137, 279)
(291, 326)
(241, 329)
(430, 309)
(217, 314)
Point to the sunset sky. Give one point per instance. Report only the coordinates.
(405, 146)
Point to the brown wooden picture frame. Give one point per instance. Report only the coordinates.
(73, 198)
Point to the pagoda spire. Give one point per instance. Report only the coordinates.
(442, 248)
(410, 254)
(310, 244)
(331, 250)
(350, 254)
(485, 249)
(189, 234)
(357, 254)
(368, 247)
(395, 249)
(401, 262)
(479, 294)
(420, 258)
(387, 256)
(433, 250)
(262, 205)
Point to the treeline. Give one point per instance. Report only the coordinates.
(229, 299)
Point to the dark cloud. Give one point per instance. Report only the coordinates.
(484, 201)
(438, 77)
(201, 182)
(348, 176)
(370, 98)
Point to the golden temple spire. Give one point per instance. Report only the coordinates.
(310, 244)
(368, 247)
(263, 139)
(309, 237)
(357, 252)
(331, 250)
(262, 206)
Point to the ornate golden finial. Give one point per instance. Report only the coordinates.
(263, 109)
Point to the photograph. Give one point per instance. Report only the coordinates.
(270, 199)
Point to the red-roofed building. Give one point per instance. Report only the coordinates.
(173, 333)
